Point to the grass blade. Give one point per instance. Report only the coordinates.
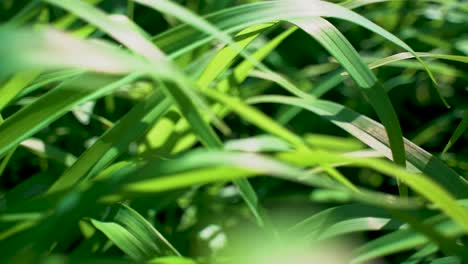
(458, 132)
(123, 239)
(144, 231)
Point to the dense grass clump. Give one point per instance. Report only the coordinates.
(209, 131)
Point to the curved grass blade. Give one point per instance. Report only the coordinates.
(342, 50)
(407, 55)
(358, 225)
(144, 231)
(333, 143)
(262, 143)
(334, 79)
(317, 226)
(123, 239)
(372, 134)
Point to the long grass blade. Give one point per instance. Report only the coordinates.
(372, 134)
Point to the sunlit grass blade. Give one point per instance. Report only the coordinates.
(262, 143)
(48, 53)
(317, 226)
(333, 143)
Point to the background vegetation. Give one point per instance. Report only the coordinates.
(231, 131)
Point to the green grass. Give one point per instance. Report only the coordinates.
(291, 131)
